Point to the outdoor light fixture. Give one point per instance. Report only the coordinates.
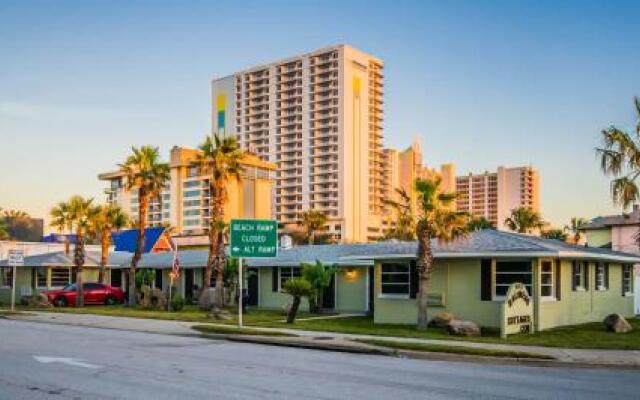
(350, 274)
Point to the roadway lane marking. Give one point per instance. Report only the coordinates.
(64, 360)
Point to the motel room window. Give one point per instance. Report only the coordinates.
(40, 277)
(547, 280)
(580, 275)
(509, 272)
(396, 279)
(287, 273)
(602, 276)
(627, 280)
(60, 277)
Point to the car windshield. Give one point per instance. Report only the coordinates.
(70, 288)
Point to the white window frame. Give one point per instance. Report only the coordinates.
(600, 275)
(627, 268)
(69, 280)
(291, 276)
(495, 274)
(382, 283)
(552, 284)
(582, 272)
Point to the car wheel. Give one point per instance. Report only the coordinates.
(110, 301)
(61, 302)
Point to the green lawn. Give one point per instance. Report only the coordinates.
(439, 348)
(190, 313)
(587, 336)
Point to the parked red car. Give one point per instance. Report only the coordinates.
(94, 293)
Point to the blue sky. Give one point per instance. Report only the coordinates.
(482, 83)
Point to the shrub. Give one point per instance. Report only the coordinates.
(177, 302)
(319, 275)
(297, 288)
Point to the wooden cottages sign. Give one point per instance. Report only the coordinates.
(517, 311)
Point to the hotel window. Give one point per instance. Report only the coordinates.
(40, 275)
(509, 272)
(396, 279)
(191, 184)
(60, 277)
(627, 280)
(6, 277)
(547, 280)
(288, 273)
(602, 276)
(192, 193)
(580, 275)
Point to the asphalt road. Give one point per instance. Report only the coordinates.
(42, 361)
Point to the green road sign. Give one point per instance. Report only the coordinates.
(254, 238)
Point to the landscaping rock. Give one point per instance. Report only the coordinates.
(441, 320)
(39, 301)
(220, 314)
(463, 328)
(616, 323)
(152, 299)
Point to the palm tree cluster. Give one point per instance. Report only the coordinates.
(19, 219)
(87, 220)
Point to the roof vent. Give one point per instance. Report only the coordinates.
(286, 242)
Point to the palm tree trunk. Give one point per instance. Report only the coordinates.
(78, 258)
(425, 266)
(291, 317)
(220, 261)
(142, 223)
(104, 255)
(213, 251)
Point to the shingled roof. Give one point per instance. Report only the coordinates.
(62, 259)
(485, 243)
(632, 218)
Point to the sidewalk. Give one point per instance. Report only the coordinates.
(328, 340)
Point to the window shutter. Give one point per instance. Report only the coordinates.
(414, 280)
(558, 280)
(274, 279)
(485, 279)
(574, 272)
(606, 275)
(586, 275)
(623, 268)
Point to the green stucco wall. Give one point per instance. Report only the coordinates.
(458, 281)
(598, 237)
(351, 291)
(576, 307)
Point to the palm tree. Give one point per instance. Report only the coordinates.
(220, 157)
(61, 221)
(524, 220)
(78, 216)
(110, 218)
(557, 234)
(436, 221)
(479, 223)
(15, 214)
(145, 173)
(620, 158)
(404, 220)
(312, 221)
(574, 228)
(4, 230)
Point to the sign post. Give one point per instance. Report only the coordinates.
(16, 258)
(254, 238)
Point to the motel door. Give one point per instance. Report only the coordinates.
(329, 295)
(252, 286)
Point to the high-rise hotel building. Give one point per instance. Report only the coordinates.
(493, 195)
(318, 117)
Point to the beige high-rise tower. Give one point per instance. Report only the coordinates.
(318, 117)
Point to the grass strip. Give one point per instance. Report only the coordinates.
(440, 348)
(228, 330)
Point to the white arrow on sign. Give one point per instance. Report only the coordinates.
(64, 360)
(236, 248)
